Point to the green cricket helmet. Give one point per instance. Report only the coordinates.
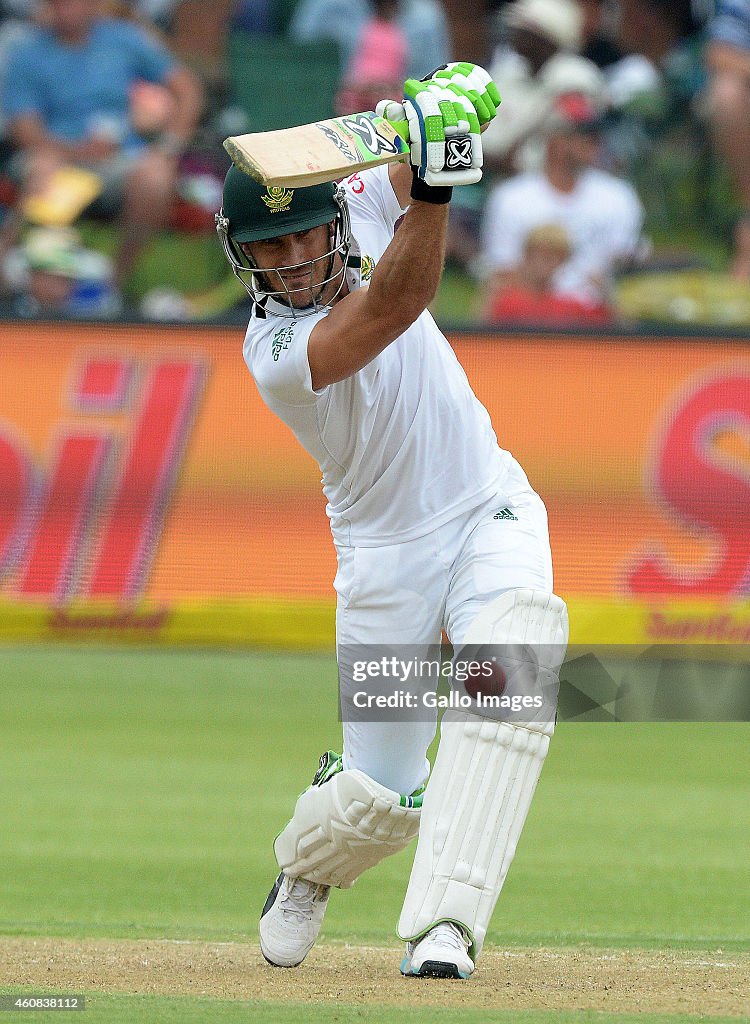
(252, 212)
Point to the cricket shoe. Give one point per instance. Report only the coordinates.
(442, 953)
(291, 920)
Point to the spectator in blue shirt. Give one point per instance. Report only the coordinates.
(67, 101)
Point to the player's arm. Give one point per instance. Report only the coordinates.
(400, 177)
(403, 284)
(406, 279)
(363, 323)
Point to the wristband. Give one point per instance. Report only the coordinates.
(438, 195)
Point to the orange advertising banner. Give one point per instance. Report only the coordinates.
(146, 490)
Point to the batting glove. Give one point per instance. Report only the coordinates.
(445, 148)
(474, 81)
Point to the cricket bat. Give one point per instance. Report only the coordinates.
(324, 151)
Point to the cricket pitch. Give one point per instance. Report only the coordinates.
(562, 979)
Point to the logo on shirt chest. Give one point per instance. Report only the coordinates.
(367, 265)
(281, 341)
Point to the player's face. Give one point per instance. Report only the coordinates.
(300, 264)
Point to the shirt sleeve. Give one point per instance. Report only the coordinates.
(276, 355)
(22, 90)
(151, 61)
(371, 197)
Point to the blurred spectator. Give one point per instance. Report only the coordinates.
(656, 39)
(599, 32)
(728, 60)
(378, 66)
(256, 17)
(422, 22)
(14, 25)
(157, 11)
(534, 64)
(628, 74)
(654, 28)
(197, 30)
(56, 276)
(600, 214)
(20, 9)
(528, 295)
(68, 102)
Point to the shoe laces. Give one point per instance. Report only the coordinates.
(450, 935)
(300, 897)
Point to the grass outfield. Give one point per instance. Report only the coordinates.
(141, 790)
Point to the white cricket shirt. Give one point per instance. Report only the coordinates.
(403, 445)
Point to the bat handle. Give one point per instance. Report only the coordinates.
(402, 127)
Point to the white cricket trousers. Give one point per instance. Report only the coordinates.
(408, 593)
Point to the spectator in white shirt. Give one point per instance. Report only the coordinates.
(535, 62)
(600, 212)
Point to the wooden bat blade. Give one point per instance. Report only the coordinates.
(323, 151)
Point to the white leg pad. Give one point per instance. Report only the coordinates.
(482, 784)
(342, 828)
(474, 809)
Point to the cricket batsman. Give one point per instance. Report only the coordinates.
(435, 527)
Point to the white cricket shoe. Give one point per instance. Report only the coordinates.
(291, 919)
(442, 953)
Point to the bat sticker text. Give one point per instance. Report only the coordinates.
(364, 129)
(334, 137)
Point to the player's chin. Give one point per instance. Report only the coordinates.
(303, 298)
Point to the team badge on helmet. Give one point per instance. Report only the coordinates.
(278, 199)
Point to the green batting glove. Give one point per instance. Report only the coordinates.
(476, 82)
(443, 133)
(465, 104)
(448, 108)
